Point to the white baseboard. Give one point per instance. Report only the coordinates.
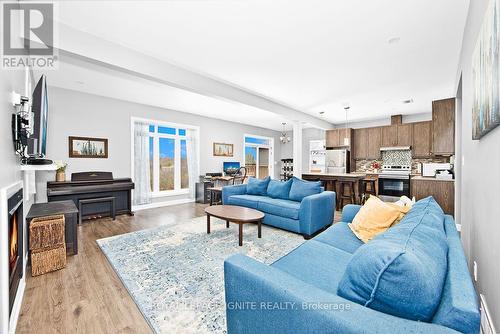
(16, 308)
(162, 204)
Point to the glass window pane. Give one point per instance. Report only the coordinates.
(182, 132)
(250, 160)
(151, 154)
(167, 165)
(151, 128)
(167, 131)
(184, 165)
(253, 140)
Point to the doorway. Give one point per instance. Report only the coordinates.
(258, 152)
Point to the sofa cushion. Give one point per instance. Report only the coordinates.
(402, 271)
(373, 218)
(315, 263)
(279, 189)
(257, 187)
(341, 237)
(279, 207)
(301, 189)
(249, 201)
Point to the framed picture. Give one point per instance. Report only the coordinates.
(486, 74)
(86, 147)
(223, 150)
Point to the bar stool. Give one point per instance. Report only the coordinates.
(368, 189)
(346, 192)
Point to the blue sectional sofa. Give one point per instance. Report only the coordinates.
(296, 205)
(412, 278)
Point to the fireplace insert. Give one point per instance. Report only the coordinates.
(15, 249)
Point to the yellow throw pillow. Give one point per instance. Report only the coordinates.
(403, 210)
(373, 218)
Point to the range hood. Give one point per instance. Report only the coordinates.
(396, 148)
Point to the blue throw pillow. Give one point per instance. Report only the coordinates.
(257, 187)
(301, 189)
(279, 189)
(402, 271)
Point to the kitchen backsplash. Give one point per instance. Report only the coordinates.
(366, 165)
(396, 158)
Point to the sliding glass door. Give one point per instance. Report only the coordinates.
(259, 156)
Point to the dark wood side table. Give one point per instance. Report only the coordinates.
(66, 208)
(235, 214)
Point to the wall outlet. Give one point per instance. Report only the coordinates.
(475, 271)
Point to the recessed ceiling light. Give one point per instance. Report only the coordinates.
(394, 40)
(321, 112)
(408, 101)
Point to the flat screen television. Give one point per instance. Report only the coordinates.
(37, 143)
(230, 167)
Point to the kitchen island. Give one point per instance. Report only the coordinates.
(331, 182)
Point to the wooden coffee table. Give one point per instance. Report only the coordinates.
(235, 214)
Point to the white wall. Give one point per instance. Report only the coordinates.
(78, 114)
(10, 170)
(387, 121)
(480, 182)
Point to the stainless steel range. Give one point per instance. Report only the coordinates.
(394, 182)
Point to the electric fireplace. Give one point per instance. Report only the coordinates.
(15, 249)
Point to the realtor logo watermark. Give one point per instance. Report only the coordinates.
(28, 35)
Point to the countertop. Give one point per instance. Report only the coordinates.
(428, 178)
(353, 175)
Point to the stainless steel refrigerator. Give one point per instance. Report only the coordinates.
(337, 161)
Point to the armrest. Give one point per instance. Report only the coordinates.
(349, 211)
(316, 211)
(240, 189)
(263, 299)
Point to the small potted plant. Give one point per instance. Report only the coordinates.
(376, 166)
(61, 172)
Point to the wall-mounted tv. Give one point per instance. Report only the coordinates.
(230, 167)
(37, 143)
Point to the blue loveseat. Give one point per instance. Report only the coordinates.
(296, 205)
(412, 278)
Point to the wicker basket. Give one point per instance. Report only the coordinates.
(47, 260)
(47, 244)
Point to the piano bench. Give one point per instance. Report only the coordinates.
(111, 201)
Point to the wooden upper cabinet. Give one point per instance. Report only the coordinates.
(390, 136)
(360, 144)
(332, 138)
(422, 141)
(335, 138)
(405, 132)
(443, 127)
(374, 141)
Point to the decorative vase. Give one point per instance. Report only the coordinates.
(61, 176)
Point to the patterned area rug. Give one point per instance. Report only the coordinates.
(175, 273)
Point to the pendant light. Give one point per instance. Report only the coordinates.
(284, 137)
(346, 138)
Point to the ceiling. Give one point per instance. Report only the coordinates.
(314, 56)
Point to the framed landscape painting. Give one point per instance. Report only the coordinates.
(223, 150)
(486, 74)
(86, 147)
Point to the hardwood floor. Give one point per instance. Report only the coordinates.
(87, 296)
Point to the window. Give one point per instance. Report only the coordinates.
(258, 156)
(168, 154)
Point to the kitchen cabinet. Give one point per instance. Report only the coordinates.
(443, 127)
(422, 139)
(405, 134)
(332, 138)
(360, 144)
(443, 191)
(335, 138)
(374, 141)
(390, 136)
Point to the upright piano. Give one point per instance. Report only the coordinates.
(94, 185)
